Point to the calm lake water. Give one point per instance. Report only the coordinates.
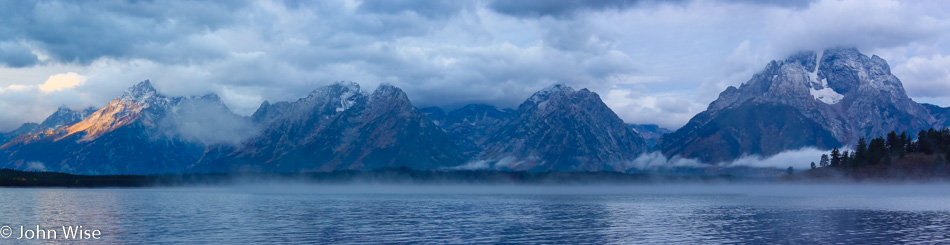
(491, 214)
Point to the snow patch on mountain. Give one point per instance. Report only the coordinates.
(827, 95)
(349, 97)
(819, 87)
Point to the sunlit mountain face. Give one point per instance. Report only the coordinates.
(139, 132)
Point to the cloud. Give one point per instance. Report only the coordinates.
(82, 32)
(16, 55)
(656, 160)
(652, 61)
(205, 120)
(542, 8)
(925, 76)
(35, 166)
(427, 8)
(800, 159)
(62, 81)
(863, 24)
(639, 107)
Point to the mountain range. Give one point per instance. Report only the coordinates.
(336, 127)
(823, 99)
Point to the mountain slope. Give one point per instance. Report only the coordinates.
(562, 129)
(340, 127)
(755, 127)
(842, 91)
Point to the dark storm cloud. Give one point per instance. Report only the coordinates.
(651, 61)
(16, 55)
(568, 8)
(428, 8)
(796, 4)
(564, 8)
(82, 32)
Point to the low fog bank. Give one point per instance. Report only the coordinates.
(745, 166)
(799, 159)
(206, 120)
(657, 163)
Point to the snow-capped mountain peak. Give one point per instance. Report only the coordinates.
(145, 95)
(549, 92)
(828, 98)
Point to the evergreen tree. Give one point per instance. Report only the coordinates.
(852, 159)
(835, 158)
(932, 139)
(893, 143)
(923, 142)
(902, 150)
(845, 159)
(790, 170)
(877, 150)
(824, 159)
(860, 153)
(813, 167)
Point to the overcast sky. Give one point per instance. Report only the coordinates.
(651, 62)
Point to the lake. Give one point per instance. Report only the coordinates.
(370, 214)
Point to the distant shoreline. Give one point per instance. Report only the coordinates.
(17, 178)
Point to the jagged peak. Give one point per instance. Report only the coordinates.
(387, 87)
(141, 93)
(65, 109)
(558, 87)
(843, 50)
(144, 86)
(349, 85)
(340, 87)
(547, 93)
(210, 97)
(386, 90)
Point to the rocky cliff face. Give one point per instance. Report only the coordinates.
(840, 91)
(340, 127)
(136, 133)
(563, 129)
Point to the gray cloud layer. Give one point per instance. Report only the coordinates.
(652, 61)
